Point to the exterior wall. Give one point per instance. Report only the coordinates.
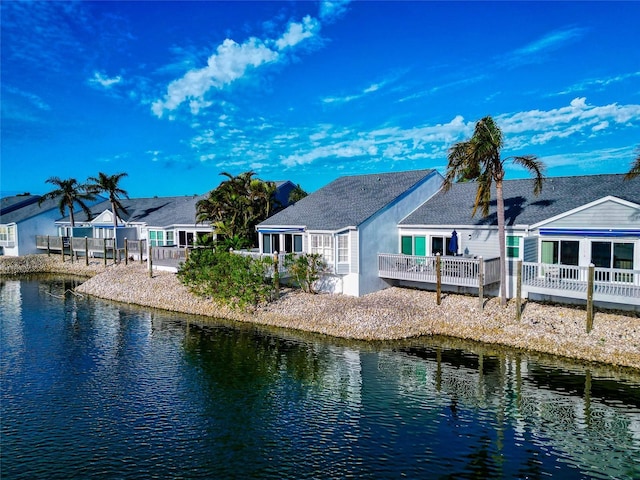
(608, 214)
(379, 234)
(475, 242)
(26, 231)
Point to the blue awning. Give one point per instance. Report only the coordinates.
(592, 232)
(280, 230)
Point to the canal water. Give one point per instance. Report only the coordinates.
(95, 389)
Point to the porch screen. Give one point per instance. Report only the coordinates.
(420, 246)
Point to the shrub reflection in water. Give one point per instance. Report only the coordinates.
(92, 388)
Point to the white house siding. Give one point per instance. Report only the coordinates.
(605, 215)
(608, 214)
(379, 234)
(354, 253)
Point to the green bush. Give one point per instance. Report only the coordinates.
(228, 278)
(306, 269)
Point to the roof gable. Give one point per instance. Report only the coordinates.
(559, 196)
(155, 211)
(348, 201)
(603, 213)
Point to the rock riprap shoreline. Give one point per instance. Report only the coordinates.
(394, 313)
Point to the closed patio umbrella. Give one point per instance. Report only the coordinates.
(453, 243)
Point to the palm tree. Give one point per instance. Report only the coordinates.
(239, 203)
(297, 194)
(635, 167)
(479, 159)
(109, 185)
(70, 193)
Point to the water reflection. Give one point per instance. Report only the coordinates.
(92, 388)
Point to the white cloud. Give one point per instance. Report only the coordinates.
(534, 50)
(230, 62)
(543, 126)
(297, 32)
(332, 9)
(104, 81)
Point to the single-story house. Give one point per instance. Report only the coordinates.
(354, 221)
(162, 221)
(574, 221)
(22, 217)
(349, 221)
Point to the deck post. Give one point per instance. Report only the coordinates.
(126, 252)
(86, 251)
(140, 250)
(276, 275)
(518, 290)
(48, 247)
(438, 279)
(71, 252)
(150, 261)
(481, 282)
(592, 269)
(62, 248)
(104, 250)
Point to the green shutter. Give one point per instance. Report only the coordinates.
(420, 246)
(406, 246)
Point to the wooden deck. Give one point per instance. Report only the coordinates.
(609, 285)
(456, 271)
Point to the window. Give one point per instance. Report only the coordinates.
(613, 255)
(7, 235)
(438, 245)
(563, 252)
(322, 244)
(343, 248)
(292, 243)
(413, 245)
(513, 246)
(270, 243)
(170, 239)
(156, 238)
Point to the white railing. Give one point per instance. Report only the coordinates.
(168, 256)
(572, 280)
(458, 271)
(282, 271)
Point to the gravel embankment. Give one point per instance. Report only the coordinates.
(394, 313)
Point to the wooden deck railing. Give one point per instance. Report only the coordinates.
(610, 284)
(458, 271)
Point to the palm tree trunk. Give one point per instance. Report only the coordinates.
(502, 242)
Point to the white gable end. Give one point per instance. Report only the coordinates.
(105, 218)
(606, 213)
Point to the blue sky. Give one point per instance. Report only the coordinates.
(173, 93)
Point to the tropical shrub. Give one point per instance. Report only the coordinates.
(235, 280)
(306, 269)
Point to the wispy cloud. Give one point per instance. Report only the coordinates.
(597, 83)
(100, 79)
(331, 10)
(534, 51)
(543, 126)
(232, 61)
(33, 99)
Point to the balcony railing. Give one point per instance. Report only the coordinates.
(609, 284)
(458, 271)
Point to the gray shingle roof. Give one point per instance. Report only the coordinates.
(347, 201)
(559, 195)
(17, 208)
(156, 211)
